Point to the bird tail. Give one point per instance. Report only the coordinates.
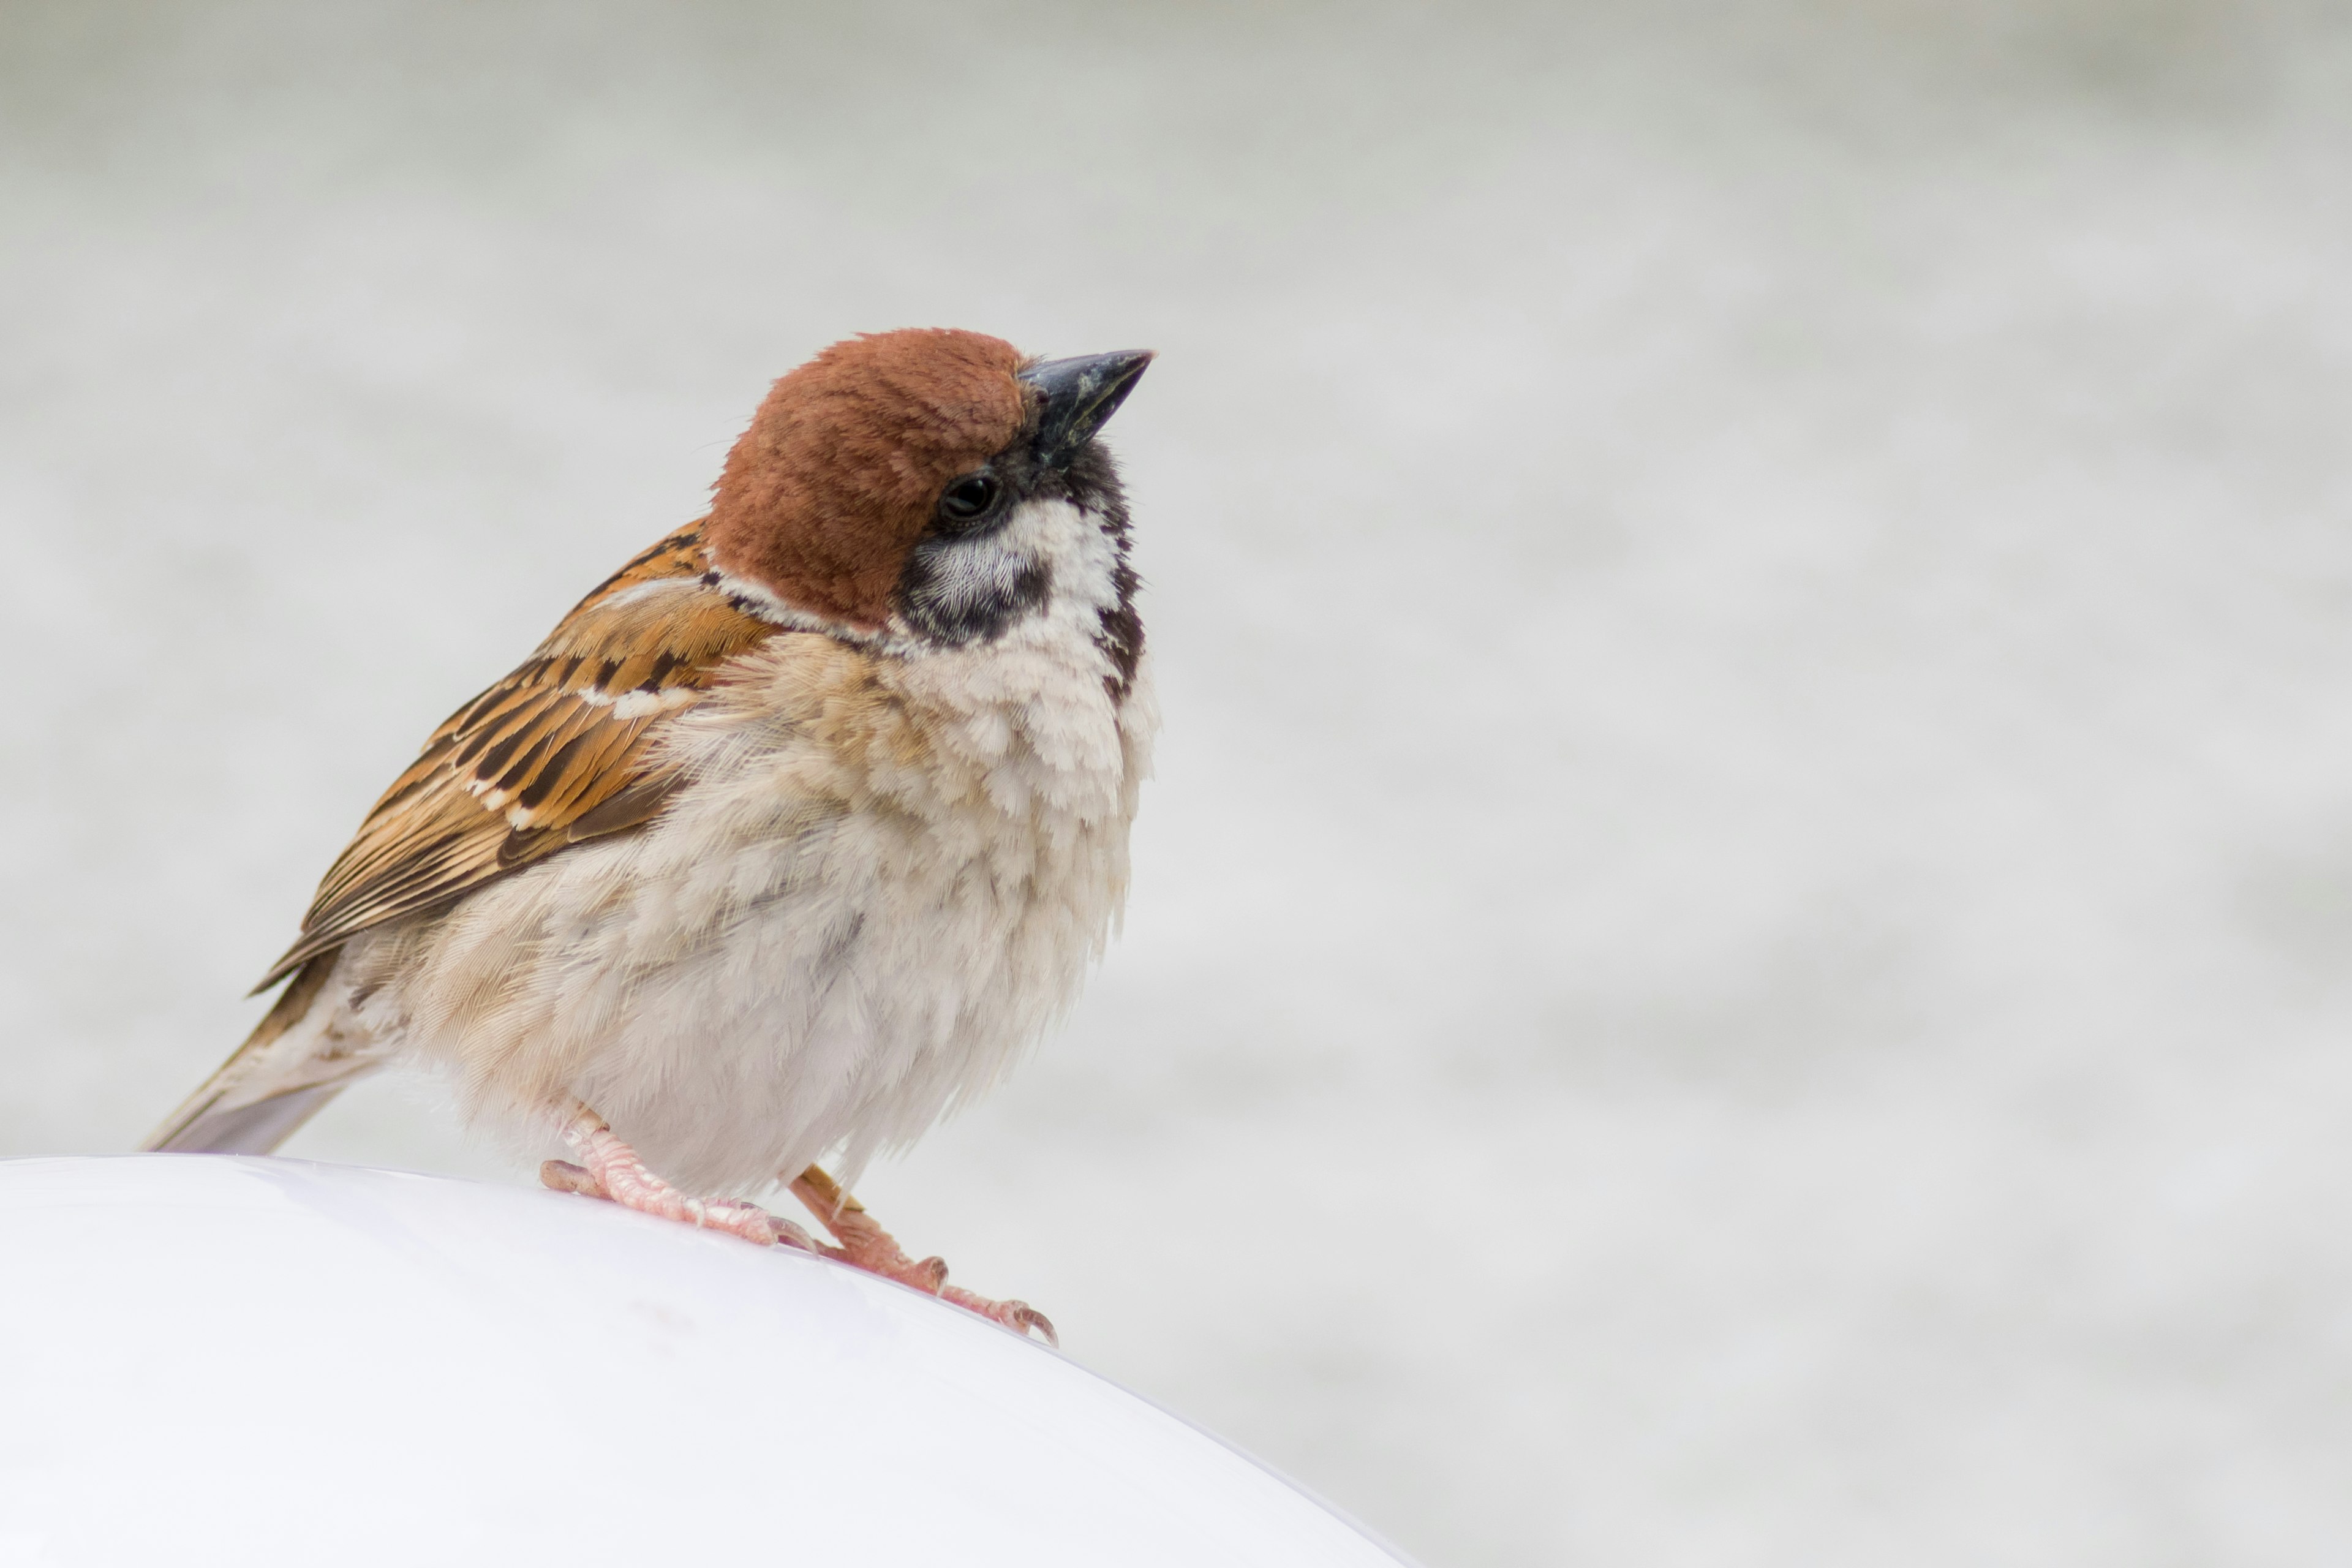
(284, 1074)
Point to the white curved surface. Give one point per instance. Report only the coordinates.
(207, 1360)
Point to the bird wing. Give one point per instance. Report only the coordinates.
(557, 753)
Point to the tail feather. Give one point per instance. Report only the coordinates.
(274, 1083)
(256, 1129)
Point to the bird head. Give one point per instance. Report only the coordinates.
(936, 487)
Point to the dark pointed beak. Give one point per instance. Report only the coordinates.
(1078, 397)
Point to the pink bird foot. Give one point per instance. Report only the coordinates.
(611, 1169)
(865, 1245)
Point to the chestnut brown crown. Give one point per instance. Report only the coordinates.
(842, 467)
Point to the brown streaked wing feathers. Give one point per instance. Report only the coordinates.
(555, 754)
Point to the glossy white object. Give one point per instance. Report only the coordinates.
(260, 1361)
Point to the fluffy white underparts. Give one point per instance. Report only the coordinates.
(887, 875)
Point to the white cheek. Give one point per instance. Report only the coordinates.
(1049, 560)
(1071, 546)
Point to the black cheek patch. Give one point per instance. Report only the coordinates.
(953, 615)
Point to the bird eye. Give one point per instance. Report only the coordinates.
(969, 499)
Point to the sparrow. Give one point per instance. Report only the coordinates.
(792, 836)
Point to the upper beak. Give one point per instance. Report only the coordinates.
(1077, 396)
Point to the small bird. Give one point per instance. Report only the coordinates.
(790, 836)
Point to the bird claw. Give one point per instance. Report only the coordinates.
(791, 1235)
(564, 1176)
(1026, 1317)
(614, 1172)
(865, 1245)
(1018, 1316)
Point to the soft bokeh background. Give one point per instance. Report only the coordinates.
(1739, 955)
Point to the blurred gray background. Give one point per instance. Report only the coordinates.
(1740, 953)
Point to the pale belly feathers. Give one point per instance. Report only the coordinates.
(885, 877)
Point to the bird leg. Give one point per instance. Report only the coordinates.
(865, 1245)
(611, 1169)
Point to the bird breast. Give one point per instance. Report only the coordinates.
(885, 878)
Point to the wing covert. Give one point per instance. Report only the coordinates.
(555, 754)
